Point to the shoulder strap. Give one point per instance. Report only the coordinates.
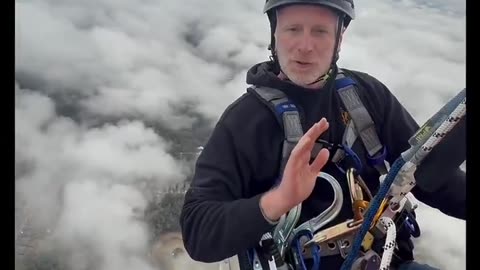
(361, 124)
(287, 115)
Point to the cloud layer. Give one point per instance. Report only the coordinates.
(107, 92)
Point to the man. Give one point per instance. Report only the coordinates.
(231, 202)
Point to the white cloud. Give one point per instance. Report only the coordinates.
(103, 218)
(137, 55)
(85, 181)
(419, 53)
(142, 62)
(442, 240)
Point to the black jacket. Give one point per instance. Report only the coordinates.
(221, 215)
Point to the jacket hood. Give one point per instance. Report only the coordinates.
(264, 74)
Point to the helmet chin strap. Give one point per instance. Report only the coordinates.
(323, 77)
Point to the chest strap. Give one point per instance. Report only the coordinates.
(361, 123)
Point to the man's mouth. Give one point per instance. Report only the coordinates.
(302, 63)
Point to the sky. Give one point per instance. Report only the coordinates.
(107, 92)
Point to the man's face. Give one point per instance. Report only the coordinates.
(305, 38)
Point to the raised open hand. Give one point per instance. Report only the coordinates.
(299, 176)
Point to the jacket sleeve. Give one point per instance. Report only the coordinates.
(449, 196)
(217, 222)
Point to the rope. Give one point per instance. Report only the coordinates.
(440, 133)
(419, 153)
(416, 154)
(390, 242)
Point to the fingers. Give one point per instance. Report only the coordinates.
(320, 160)
(317, 129)
(305, 144)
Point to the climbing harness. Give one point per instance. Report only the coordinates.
(361, 126)
(400, 179)
(378, 217)
(287, 236)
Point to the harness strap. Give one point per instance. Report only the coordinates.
(361, 125)
(288, 117)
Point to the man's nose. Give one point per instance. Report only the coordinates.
(306, 43)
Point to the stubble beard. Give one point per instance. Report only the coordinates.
(301, 78)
